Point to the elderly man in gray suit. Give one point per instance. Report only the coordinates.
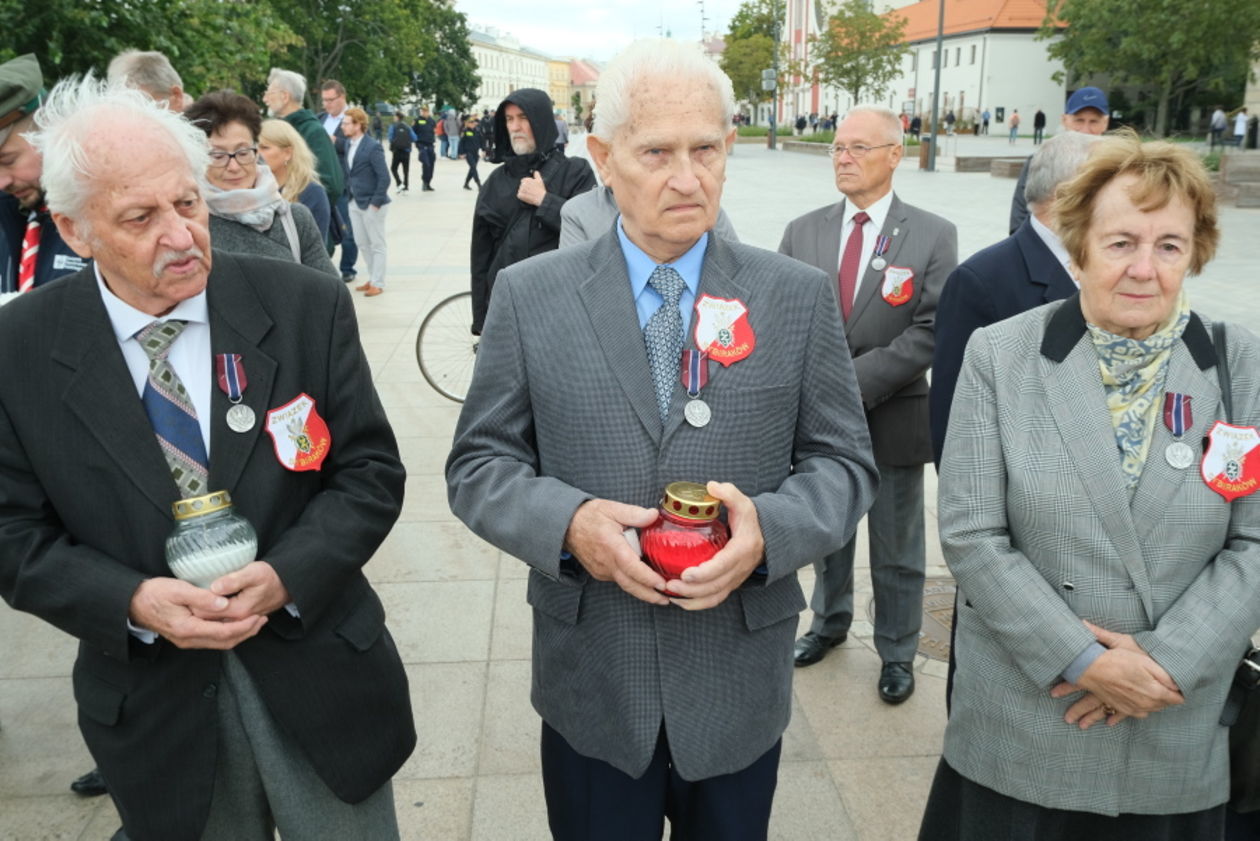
(891, 261)
(659, 705)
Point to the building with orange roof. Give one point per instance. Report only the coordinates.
(991, 61)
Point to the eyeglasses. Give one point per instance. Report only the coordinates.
(243, 157)
(857, 150)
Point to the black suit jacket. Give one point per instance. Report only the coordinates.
(1003, 280)
(85, 498)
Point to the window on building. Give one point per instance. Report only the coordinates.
(933, 59)
(945, 59)
(914, 61)
(973, 53)
(957, 56)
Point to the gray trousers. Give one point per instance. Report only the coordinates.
(263, 782)
(894, 528)
(369, 235)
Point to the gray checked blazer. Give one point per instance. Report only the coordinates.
(562, 410)
(891, 345)
(1039, 530)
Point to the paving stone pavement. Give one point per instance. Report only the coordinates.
(853, 769)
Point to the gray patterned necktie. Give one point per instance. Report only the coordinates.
(663, 336)
(171, 410)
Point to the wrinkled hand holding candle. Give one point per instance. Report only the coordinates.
(686, 533)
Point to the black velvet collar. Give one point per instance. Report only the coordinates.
(1067, 325)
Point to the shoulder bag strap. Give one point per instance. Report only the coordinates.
(1222, 370)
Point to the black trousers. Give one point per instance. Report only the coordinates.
(589, 799)
(427, 159)
(472, 175)
(402, 159)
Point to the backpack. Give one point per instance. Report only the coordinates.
(400, 137)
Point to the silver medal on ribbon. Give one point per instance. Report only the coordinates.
(879, 264)
(1179, 455)
(697, 413)
(240, 418)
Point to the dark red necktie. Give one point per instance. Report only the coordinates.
(851, 263)
(30, 251)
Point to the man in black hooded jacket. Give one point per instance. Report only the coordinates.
(518, 208)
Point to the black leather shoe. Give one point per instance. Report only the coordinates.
(91, 784)
(348, 277)
(896, 682)
(813, 647)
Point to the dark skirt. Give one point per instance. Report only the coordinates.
(960, 810)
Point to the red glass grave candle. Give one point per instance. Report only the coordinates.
(686, 533)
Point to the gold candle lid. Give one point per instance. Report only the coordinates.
(690, 501)
(195, 506)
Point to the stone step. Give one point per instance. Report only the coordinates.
(1006, 167)
(1248, 195)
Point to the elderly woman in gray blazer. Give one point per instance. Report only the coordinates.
(248, 214)
(1102, 526)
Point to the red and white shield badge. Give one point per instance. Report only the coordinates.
(300, 436)
(1231, 463)
(898, 286)
(722, 329)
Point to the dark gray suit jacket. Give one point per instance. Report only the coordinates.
(562, 409)
(891, 345)
(85, 509)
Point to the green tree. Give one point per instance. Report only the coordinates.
(859, 51)
(211, 44)
(743, 60)
(1169, 48)
(447, 71)
(576, 102)
(754, 17)
(370, 46)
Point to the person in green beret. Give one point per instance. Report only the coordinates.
(32, 253)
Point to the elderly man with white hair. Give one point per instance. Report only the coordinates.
(285, 97)
(271, 697)
(889, 261)
(655, 354)
(151, 72)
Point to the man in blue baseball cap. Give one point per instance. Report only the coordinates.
(1087, 112)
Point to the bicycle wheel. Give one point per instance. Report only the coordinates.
(445, 350)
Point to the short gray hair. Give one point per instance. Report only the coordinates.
(67, 124)
(655, 58)
(291, 83)
(895, 133)
(149, 71)
(1058, 160)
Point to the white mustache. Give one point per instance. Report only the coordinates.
(168, 257)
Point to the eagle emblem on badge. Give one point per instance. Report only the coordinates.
(1226, 467)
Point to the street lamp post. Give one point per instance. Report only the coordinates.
(936, 94)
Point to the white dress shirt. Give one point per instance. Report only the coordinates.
(351, 151)
(1052, 241)
(878, 211)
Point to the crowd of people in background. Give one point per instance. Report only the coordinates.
(1054, 354)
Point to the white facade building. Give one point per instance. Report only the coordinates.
(504, 66)
(992, 60)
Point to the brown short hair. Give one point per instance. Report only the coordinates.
(333, 85)
(1165, 171)
(215, 110)
(358, 115)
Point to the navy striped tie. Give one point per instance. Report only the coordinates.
(171, 411)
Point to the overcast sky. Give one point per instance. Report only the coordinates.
(598, 29)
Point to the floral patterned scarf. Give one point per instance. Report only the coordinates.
(1133, 374)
